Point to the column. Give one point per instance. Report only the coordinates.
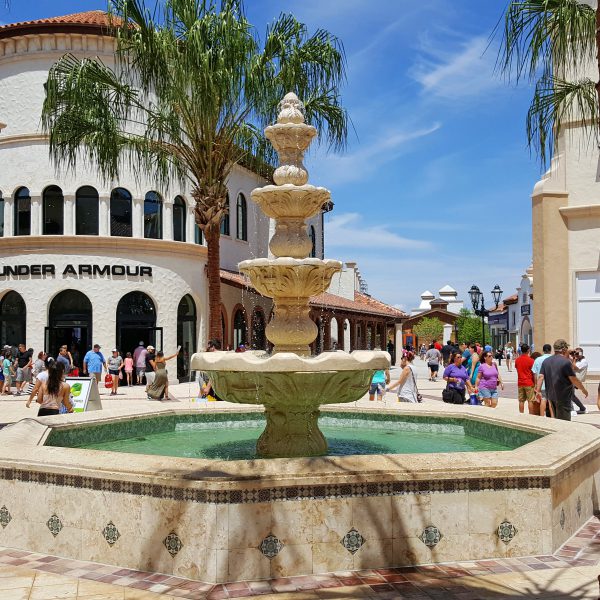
(340, 331)
(104, 216)
(190, 225)
(69, 212)
(352, 326)
(167, 224)
(9, 211)
(36, 214)
(447, 332)
(137, 218)
(398, 342)
(327, 334)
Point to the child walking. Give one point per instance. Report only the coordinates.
(128, 368)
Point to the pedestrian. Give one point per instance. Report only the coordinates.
(499, 356)
(509, 353)
(39, 365)
(159, 388)
(115, 368)
(40, 377)
(457, 381)
(473, 362)
(139, 360)
(93, 363)
(537, 367)
(64, 360)
(465, 353)
(391, 351)
(128, 368)
(432, 358)
(437, 345)
(526, 386)
(378, 382)
(24, 362)
(580, 366)
(488, 380)
(54, 392)
(447, 351)
(422, 351)
(558, 375)
(206, 387)
(150, 358)
(407, 382)
(8, 371)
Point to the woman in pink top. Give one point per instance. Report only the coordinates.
(488, 379)
(128, 368)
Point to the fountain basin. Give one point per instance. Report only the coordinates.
(252, 519)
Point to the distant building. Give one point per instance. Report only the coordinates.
(438, 309)
(448, 294)
(519, 308)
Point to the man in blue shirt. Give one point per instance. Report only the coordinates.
(93, 362)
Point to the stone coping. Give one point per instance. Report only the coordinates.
(565, 446)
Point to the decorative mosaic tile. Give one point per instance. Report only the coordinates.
(578, 506)
(563, 518)
(352, 541)
(54, 525)
(506, 531)
(172, 543)
(5, 517)
(111, 533)
(271, 546)
(431, 536)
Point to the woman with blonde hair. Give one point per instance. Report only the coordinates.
(407, 383)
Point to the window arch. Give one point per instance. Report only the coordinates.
(120, 213)
(1, 215)
(239, 328)
(225, 219)
(179, 219)
(313, 239)
(242, 218)
(22, 212)
(153, 216)
(53, 210)
(86, 211)
(13, 319)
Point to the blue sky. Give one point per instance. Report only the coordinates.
(435, 186)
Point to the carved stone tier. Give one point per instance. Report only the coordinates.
(290, 205)
(291, 282)
(291, 388)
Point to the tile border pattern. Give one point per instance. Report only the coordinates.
(271, 494)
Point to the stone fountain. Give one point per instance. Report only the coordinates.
(290, 383)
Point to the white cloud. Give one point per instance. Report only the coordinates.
(348, 231)
(467, 72)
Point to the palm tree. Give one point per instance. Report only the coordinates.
(553, 43)
(192, 87)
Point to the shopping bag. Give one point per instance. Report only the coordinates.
(108, 381)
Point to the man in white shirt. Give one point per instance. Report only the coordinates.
(580, 366)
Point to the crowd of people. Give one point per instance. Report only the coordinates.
(546, 381)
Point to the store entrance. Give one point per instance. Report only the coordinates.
(136, 322)
(70, 324)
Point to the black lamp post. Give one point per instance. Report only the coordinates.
(479, 305)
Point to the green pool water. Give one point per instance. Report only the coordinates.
(236, 439)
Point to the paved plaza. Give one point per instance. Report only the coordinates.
(570, 573)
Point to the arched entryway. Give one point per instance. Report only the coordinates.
(259, 340)
(13, 319)
(186, 335)
(70, 323)
(136, 322)
(240, 328)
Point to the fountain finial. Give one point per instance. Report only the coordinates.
(291, 110)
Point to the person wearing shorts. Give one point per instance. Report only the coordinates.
(433, 357)
(380, 378)
(488, 380)
(524, 365)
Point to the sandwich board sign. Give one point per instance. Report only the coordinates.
(84, 394)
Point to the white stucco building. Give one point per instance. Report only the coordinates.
(447, 293)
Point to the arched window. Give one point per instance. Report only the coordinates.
(120, 213)
(53, 211)
(153, 216)
(186, 335)
(313, 239)
(242, 218)
(1, 215)
(13, 319)
(179, 217)
(225, 219)
(259, 341)
(22, 212)
(136, 322)
(86, 211)
(239, 328)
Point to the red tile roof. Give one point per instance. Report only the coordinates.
(93, 21)
(362, 303)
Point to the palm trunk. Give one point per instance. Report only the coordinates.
(598, 50)
(213, 267)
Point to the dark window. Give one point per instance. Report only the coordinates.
(242, 218)
(179, 217)
(259, 341)
(22, 212)
(153, 216)
(86, 211)
(186, 335)
(120, 213)
(53, 211)
(13, 319)
(198, 236)
(313, 239)
(1, 215)
(239, 328)
(225, 219)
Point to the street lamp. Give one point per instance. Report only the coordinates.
(479, 304)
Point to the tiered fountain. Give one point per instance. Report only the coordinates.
(290, 383)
